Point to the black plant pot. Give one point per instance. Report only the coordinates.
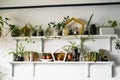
(86, 32)
(18, 58)
(34, 34)
(41, 33)
(93, 29)
(60, 33)
(75, 54)
(117, 46)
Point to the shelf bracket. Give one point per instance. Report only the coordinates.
(34, 70)
(42, 43)
(12, 69)
(88, 66)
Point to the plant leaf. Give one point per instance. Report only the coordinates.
(7, 19)
(1, 23)
(0, 17)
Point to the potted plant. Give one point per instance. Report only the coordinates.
(33, 30)
(117, 44)
(15, 31)
(58, 27)
(73, 48)
(19, 54)
(25, 31)
(87, 29)
(40, 31)
(49, 31)
(108, 28)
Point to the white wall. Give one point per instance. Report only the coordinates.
(42, 16)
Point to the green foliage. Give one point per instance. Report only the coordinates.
(89, 22)
(32, 29)
(15, 31)
(71, 46)
(113, 23)
(19, 52)
(48, 31)
(2, 75)
(110, 23)
(59, 25)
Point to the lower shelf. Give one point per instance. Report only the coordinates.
(88, 64)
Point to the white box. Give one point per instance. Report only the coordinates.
(106, 31)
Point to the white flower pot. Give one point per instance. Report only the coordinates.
(106, 31)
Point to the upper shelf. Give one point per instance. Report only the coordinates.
(68, 37)
(60, 5)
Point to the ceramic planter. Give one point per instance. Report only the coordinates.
(106, 31)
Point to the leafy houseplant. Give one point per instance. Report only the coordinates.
(33, 30)
(25, 31)
(15, 31)
(59, 26)
(40, 31)
(88, 24)
(20, 53)
(73, 48)
(108, 28)
(49, 31)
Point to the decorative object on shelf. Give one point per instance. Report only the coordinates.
(69, 57)
(33, 30)
(108, 28)
(19, 54)
(117, 44)
(25, 31)
(73, 30)
(59, 55)
(46, 57)
(34, 56)
(87, 29)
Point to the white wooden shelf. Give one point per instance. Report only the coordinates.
(88, 64)
(61, 62)
(63, 37)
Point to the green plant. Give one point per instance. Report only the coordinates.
(2, 75)
(33, 30)
(19, 52)
(15, 31)
(48, 31)
(71, 47)
(88, 23)
(59, 25)
(110, 23)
